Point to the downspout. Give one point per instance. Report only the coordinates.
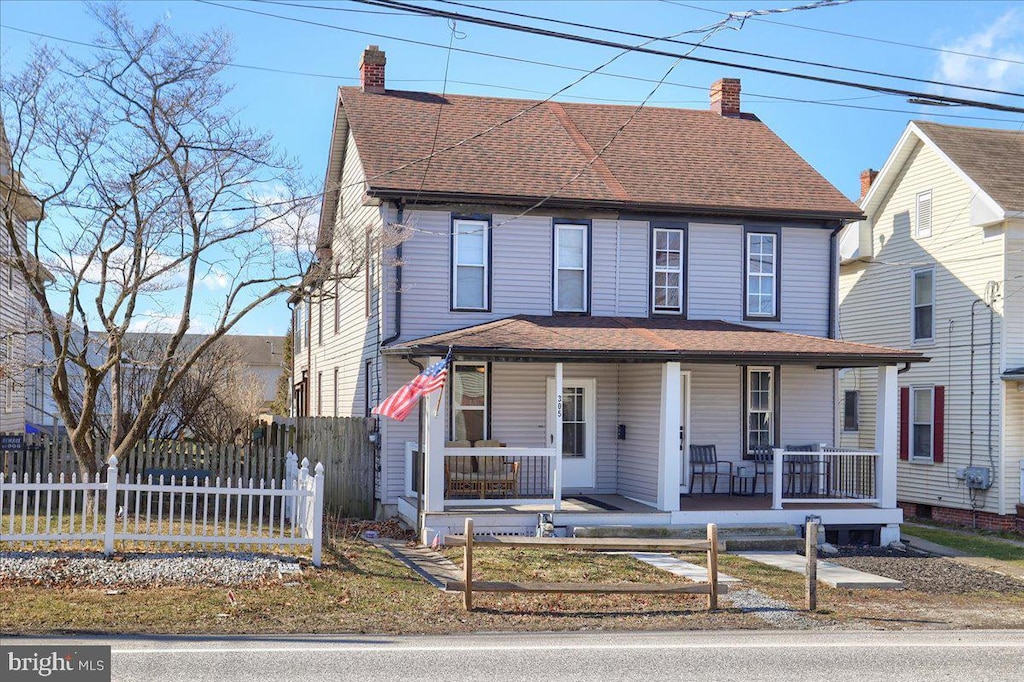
(833, 280)
(398, 283)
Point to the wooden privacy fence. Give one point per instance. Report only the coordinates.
(260, 458)
(467, 585)
(206, 512)
(343, 445)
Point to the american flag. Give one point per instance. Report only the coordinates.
(399, 404)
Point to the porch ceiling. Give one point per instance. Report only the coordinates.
(580, 338)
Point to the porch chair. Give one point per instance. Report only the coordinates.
(497, 476)
(459, 476)
(764, 460)
(704, 462)
(802, 470)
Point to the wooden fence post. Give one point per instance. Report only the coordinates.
(811, 550)
(713, 566)
(467, 566)
(111, 523)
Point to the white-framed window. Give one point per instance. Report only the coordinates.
(368, 387)
(571, 265)
(923, 305)
(470, 401)
(300, 325)
(760, 407)
(762, 269)
(319, 394)
(667, 268)
(470, 246)
(7, 353)
(923, 224)
(922, 425)
(851, 410)
(336, 392)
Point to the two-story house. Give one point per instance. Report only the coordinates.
(938, 266)
(617, 287)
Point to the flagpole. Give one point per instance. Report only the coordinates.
(447, 373)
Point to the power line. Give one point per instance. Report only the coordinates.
(760, 55)
(851, 35)
(394, 4)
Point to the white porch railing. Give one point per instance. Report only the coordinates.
(187, 511)
(482, 476)
(826, 475)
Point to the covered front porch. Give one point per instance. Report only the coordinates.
(635, 437)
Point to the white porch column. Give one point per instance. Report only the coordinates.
(433, 443)
(558, 437)
(668, 445)
(886, 418)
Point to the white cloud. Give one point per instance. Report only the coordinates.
(155, 322)
(215, 280)
(1004, 39)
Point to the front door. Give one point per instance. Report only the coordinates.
(579, 442)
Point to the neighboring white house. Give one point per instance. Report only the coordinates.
(938, 267)
(605, 313)
(18, 207)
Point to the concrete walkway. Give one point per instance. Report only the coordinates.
(684, 569)
(430, 565)
(831, 574)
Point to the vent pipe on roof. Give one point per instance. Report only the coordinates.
(371, 69)
(725, 96)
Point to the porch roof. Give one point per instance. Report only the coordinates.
(568, 338)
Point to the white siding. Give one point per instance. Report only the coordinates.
(1013, 445)
(715, 272)
(804, 294)
(639, 400)
(620, 270)
(13, 314)
(1014, 296)
(716, 409)
(806, 405)
(394, 434)
(875, 307)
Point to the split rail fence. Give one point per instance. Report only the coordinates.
(190, 511)
(467, 586)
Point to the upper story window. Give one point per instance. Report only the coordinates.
(667, 268)
(923, 225)
(469, 402)
(762, 275)
(300, 325)
(923, 304)
(470, 264)
(572, 262)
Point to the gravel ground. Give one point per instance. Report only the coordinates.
(917, 571)
(153, 570)
(772, 611)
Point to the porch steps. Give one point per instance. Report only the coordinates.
(779, 537)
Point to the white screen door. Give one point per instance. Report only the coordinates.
(579, 468)
(684, 431)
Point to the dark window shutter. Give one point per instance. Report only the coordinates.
(904, 423)
(940, 424)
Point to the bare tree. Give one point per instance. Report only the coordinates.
(150, 185)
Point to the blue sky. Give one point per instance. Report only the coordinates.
(836, 138)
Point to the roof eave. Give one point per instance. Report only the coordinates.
(391, 193)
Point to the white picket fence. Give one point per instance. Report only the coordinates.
(186, 511)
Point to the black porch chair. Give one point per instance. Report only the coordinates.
(803, 470)
(763, 459)
(704, 462)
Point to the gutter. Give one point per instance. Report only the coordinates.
(833, 280)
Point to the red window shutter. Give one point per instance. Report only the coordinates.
(940, 424)
(904, 423)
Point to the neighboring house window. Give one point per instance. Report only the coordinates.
(320, 319)
(922, 424)
(762, 274)
(571, 265)
(319, 394)
(337, 298)
(923, 226)
(307, 311)
(336, 392)
(5, 371)
(368, 276)
(300, 332)
(470, 402)
(851, 407)
(367, 387)
(760, 407)
(923, 295)
(667, 267)
(470, 246)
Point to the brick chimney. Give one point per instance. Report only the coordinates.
(867, 176)
(725, 96)
(371, 69)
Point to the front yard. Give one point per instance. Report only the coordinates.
(363, 589)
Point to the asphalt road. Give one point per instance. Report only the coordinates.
(792, 656)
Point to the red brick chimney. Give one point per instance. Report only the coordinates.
(867, 176)
(371, 69)
(725, 96)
